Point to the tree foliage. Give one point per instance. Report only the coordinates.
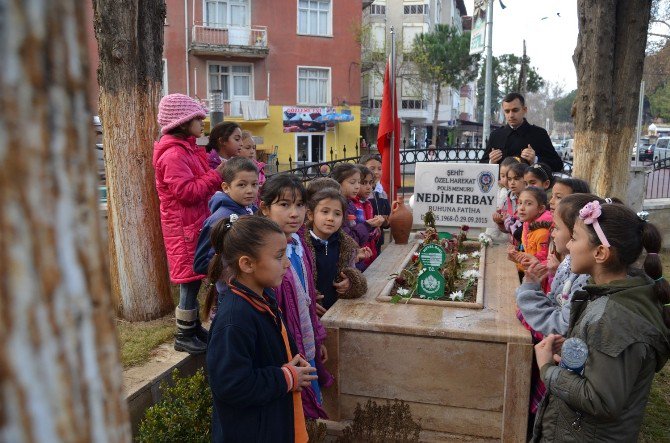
(443, 59)
(563, 107)
(506, 71)
(660, 102)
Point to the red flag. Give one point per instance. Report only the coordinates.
(388, 120)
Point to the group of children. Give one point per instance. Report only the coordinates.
(574, 252)
(278, 258)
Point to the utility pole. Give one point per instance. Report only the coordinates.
(486, 129)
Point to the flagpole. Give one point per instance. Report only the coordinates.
(393, 113)
(486, 124)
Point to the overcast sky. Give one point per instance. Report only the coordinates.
(550, 30)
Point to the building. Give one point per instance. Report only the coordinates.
(273, 66)
(415, 101)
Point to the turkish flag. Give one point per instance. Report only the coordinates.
(388, 124)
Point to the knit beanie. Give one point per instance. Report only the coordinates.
(176, 109)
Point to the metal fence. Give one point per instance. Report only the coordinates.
(658, 179)
(408, 159)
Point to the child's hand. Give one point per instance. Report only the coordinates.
(364, 253)
(526, 260)
(343, 285)
(545, 350)
(376, 221)
(552, 263)
(498, 218)
(320, 310)
(304, 372)
(535, 273)
(324, 353)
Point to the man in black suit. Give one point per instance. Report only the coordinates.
(518, 138)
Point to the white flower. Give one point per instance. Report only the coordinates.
(422, 271)
(471, 273)
(484, 239)
(402, 292)
(475, 254)
(462, 257)
(458, 295)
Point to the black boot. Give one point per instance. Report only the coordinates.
(186, 339)
(200, 332)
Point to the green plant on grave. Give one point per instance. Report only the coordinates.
(373, 423)
(184, 413)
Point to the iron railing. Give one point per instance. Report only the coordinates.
(658, 179)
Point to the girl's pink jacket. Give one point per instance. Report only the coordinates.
(185, 183)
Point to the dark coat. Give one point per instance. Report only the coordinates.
(220, 206)
(622, 325)
(380, 206)
(329, 261)
(512, 141)
(244, 359)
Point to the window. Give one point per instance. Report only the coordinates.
(313, 86)
(164, 86)
(409, 32)
(415, 9)
(224, 13)
(414, 104)
(378, 36)
(377, 9)
(310, 148)
(314, 17)
(375, 103)
(234, 81)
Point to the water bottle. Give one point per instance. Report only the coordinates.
(574, 354)
(351, 218)
(360, 216)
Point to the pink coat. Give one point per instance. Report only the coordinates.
(185, 183)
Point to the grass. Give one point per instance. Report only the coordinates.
(139, 339)
(655, 425)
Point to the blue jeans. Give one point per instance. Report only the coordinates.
(188, 295)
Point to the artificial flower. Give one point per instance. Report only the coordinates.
(402, 292)
(458, 295)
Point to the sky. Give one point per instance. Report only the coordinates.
(550, 30)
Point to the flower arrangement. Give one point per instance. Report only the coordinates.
(460, 269)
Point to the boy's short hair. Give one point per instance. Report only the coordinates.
(236, 165)
(367, 157)
(320, 183)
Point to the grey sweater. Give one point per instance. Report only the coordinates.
(550, 313)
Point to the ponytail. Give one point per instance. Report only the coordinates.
(652, 241)
(232, 238)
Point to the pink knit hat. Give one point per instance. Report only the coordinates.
(176, 109)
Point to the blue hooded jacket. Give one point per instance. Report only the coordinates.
(220, 206)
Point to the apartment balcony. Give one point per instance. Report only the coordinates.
(251, 112)
(249, 42)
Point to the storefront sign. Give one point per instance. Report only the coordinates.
(303, 119)
(457, 193)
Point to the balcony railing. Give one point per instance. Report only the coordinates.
(249, 41)
(245, 109)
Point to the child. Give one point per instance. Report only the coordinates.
(248, 150)
(254, 368)
(362, 203)
(334, 253)
(532, 212)
(623, 317)
(540, 176)
(283, 201)
(380, 203)
(225, 141)
(349, 178)
(508, 221)
(504, 205)
(550, 313)
(317, 184)
(185, 183)
(567, 186)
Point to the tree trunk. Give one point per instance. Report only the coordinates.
(59, 366)
(438, 94)
(609, 58)
(130, 43)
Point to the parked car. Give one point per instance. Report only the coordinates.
(567, 149)
(645, 151)
(100, 159)
(662, 149)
